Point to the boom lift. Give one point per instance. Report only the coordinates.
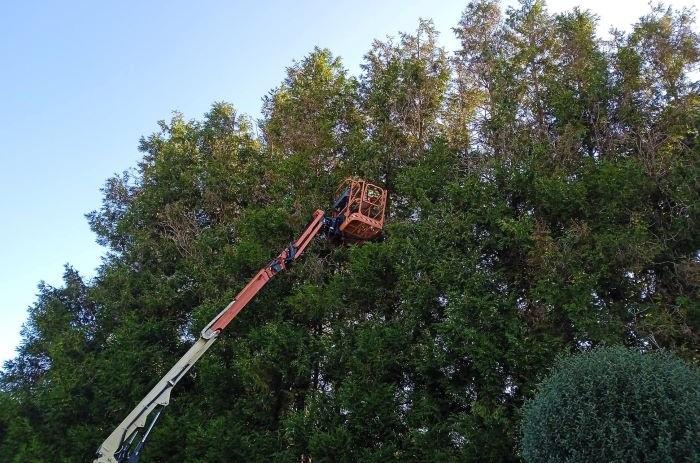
(357, 215)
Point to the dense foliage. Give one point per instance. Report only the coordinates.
(544, 199)
(614, 404)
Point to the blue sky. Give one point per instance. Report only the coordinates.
(80, 82)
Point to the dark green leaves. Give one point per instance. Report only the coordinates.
(614, 404)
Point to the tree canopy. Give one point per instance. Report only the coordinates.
(543, 200)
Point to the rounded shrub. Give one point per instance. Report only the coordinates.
(615, 405)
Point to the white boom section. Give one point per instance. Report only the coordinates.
(158, 396)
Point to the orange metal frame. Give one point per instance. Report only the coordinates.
(364, 211)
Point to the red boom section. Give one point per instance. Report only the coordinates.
(290, 254)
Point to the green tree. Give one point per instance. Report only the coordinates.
(313, 113)
(402, 88)
(49, 385)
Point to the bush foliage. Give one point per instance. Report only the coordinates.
(614, 404)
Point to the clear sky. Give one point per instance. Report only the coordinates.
(80, 82)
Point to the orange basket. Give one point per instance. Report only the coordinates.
(362, 206)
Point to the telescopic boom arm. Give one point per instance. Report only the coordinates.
(358, 215)
(125, 443)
